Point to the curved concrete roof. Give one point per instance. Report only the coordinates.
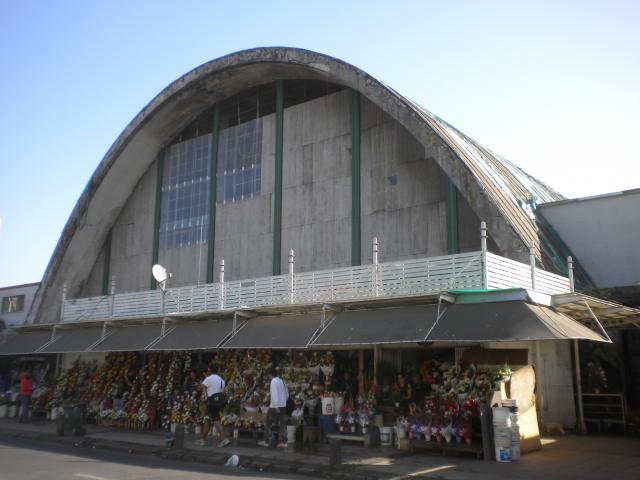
(495, 188)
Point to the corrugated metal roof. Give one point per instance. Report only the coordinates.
(513, 191)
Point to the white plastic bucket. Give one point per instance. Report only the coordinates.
(385, 435)
(327, 406)
(4, 410)
(500, 416)
(291, 434)
(338, 402)
(401, 432)
(503, 454)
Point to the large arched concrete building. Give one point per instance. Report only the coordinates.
(309, 153)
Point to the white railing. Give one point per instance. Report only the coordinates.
(505, 273)
(392, 279)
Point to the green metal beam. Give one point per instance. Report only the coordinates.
(106, 269)
(277, 200)
(453, 245)
(213, 192)
(156, 220)
(356, 233)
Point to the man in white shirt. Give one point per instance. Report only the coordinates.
(277, 411)
(214, 387)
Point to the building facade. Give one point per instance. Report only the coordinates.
(284, 165)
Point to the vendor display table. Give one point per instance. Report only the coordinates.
(368, 439)
(474, 448)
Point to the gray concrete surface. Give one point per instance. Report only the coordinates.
(570, 457)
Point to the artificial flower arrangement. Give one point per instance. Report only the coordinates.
(447, 414)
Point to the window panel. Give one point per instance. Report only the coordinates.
(185, 200)
(239, 160)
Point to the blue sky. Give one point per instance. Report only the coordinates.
(553, 86)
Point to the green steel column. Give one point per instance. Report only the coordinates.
(453, 245)
(355, 179)
(106, 269)
(156, 221)
(277, 200)
(213, 192)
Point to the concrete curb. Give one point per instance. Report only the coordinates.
(248, 462)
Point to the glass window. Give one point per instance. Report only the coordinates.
(239, 162)
(12, 304)
(184, 217)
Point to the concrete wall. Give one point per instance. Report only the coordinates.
(132, 237)
(403, 197)
(316, 192)
(93, 286)
(18, 318)
(554, 376)
(67, 359)
(244, 229)
(402, 203)
(603, 234)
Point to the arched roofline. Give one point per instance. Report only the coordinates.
(137, 147)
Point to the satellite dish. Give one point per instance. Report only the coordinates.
(159, 273)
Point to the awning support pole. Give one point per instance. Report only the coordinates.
(377, 355)
(580, 427)
(595, 319)
(532, 263)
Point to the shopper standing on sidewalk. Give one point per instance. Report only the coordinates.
(277, 411)
(26, 390)
(216, 401)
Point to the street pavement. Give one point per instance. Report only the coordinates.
(22, 459)
(591, 457)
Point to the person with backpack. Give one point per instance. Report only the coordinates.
(277, 411)
(214, 386)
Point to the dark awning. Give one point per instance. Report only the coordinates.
(12, 343)
(506, 321)
(195, 335)
(73, 340)
(129, 338)
(379, 326)
(286, 331)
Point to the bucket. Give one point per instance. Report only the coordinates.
(385, 435)
(327, 406)
(500, 415)
(503, 454)
(4, 410)
(401, 432)
(291, 434)
(337, 404)
(378, 421)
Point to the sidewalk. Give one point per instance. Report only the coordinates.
(571, 457)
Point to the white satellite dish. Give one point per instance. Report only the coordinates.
(160, 274)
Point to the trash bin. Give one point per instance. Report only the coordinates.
(70, 422)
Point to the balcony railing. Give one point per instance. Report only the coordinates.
(474, 270)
